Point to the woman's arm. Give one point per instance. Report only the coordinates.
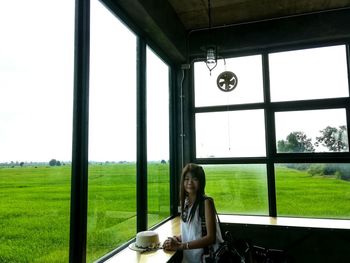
(210, 222)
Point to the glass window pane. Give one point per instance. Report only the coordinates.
(36, 88)
(327, 132)
(230, 134)
(315, 73)
(157, 139)
(112, 134)
(313, 190)
(249, 87)
(238, 188)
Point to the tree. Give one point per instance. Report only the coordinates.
(296, 142)
(52, 162)
(336, 140)
(21, 164)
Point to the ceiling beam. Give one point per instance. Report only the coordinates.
(300, 30)
(157, 23)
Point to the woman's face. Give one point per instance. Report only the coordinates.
(191, 184)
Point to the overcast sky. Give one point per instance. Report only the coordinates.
(297, 75)
(36, 89)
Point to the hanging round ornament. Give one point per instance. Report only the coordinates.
(227, 81)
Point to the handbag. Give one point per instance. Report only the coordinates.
(226, 252)
(259, 254)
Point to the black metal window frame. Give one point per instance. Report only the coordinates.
(78, 221)
(270, 108)
(79, 181)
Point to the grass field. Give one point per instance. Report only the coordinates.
(35, 203)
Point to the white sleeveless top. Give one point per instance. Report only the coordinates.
(192, 231)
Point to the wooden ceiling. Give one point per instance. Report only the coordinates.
(194, 13)
(169, 24)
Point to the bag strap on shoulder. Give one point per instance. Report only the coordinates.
(203, 222)
(202, 214)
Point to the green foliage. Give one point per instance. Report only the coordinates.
(35, 203)
(52, 162)
(338, 175)
(339, 171)
(316, 169)
(238, 189)
(343, 172)
(301, 195)
(296, 142)
(35, 209)
(34, 214)
(336, 140)
(298, 166)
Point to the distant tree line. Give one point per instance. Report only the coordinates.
(12, 164)
(54, 162)
(334, 139)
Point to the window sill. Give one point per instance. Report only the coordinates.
(170, 228)
(286, 221)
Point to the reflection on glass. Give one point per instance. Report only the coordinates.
(238, 189)
(315, 73)
(157, 139)
(327, 132)
(249, 88)
(230, 134)
(36, 87)
(112, 134)
(318, 190)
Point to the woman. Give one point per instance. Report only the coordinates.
(195, 206)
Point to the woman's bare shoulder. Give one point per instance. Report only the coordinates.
(209, 201)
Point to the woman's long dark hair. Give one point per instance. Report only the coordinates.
(197, 172)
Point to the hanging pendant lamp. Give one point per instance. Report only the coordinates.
(211, 51)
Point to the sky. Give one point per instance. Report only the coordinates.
(36, 78)
(113, 93)
(295, 75)
(36, 90)
(36, 85)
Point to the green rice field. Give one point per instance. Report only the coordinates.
(35, 203)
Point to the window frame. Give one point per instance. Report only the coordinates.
(270, 108)
(79, 185)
